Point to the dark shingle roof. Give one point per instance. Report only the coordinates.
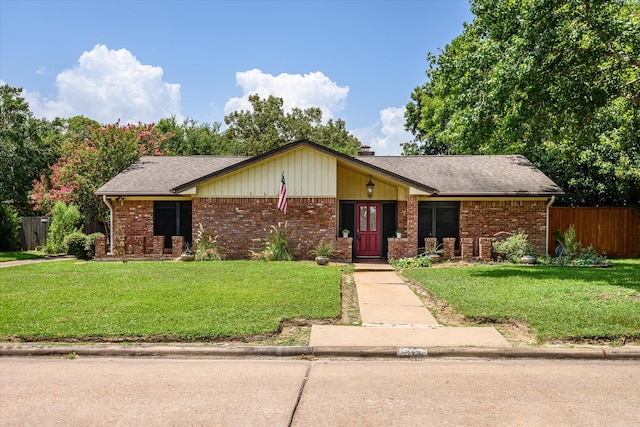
(158, 176)
(511, 175)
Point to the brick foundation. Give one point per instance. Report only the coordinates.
(401, 248)
(343, 249)
(177, 245)
(101, 246)
(466, 247)
(430, 243)
(449, 244)
(484, 245)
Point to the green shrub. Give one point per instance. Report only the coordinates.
(572, 252)
(207, 247)
(90, 247)
(278, 243)
(512, 248)
(64, 221)
(421, 261)
(76, 244)
(9, 228)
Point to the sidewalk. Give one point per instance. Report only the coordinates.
(393, 315)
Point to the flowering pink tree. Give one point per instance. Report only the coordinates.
(90, 160)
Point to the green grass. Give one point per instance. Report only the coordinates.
(19, 256)
(162, 300)
(560, 303)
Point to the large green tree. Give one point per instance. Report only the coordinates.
(193, 138)
(267, 126)
(92, 155)
(27, 146)
(555, 80)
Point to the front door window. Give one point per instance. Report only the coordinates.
(368, 226)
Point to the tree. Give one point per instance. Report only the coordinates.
(192, 138)
(267, 127)
(27, 146)
(555, 80)
(9, 228)
(89, 162)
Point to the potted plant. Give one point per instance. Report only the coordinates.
(398, 233)
(187, 253)
(528, 254)
(322, 251)
(434, 252)
(345, 233)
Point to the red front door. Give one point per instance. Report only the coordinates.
(368, 230)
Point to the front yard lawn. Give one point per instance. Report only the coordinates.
(19, 256)
(559, 303)
(162, 300)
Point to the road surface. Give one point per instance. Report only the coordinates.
(121, 391)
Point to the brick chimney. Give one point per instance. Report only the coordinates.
(365, 150)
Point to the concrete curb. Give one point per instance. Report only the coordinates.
(198, 351)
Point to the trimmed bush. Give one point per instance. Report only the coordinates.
(513, 247)
(9, 228)
(76, 244)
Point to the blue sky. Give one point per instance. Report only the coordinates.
(144, 60)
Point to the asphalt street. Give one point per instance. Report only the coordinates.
(322, 392)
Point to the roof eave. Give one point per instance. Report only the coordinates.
(502, 194)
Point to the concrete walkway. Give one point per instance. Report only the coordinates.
(393, 315)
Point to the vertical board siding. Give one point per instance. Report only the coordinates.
(614, 231)
(33, 232)
(308, 173)
(353, 186)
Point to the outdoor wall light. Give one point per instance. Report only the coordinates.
(370, 186)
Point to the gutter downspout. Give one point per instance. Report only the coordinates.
(553, 199)
(110, 206)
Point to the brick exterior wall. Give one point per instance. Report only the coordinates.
(486, 218)
(242, 224)
(134, 218)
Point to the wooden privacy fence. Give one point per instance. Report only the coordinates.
(35, 229)
(33, 233)
(615, 231)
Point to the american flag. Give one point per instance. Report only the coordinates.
(282, 199)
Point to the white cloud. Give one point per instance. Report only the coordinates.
(108, 85)
(386, 135)
(296, 90)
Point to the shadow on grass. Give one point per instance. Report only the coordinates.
(18, 256)
(625, 273)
